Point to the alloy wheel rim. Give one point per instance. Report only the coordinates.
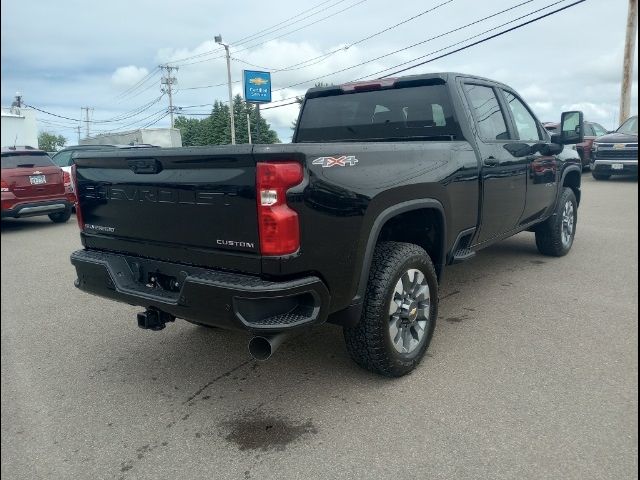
(568, 222)
(409, 311)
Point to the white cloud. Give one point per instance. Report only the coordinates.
(534, 92)
(128, 76)
(84, 65)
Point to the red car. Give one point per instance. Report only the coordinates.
(33, 185)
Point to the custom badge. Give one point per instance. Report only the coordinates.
(343, 161)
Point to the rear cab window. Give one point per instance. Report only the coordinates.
(25, 160)
(487, 112)
(407, 113)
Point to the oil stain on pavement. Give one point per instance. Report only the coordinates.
(259, 431)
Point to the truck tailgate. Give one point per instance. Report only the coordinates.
(200, 199)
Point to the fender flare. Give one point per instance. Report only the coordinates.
(565, 172)
(381, 219)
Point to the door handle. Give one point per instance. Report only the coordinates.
(491, 162)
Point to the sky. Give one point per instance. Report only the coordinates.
(69, 54)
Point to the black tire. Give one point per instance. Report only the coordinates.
(61, 217)
(549, 235)
(369, 343)
(600, 176)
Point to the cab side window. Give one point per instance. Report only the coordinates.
(526, 124)
(487, 112)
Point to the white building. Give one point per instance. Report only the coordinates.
(19, 127)
(161, 137)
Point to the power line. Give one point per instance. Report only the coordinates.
(136, 122)
(116, 119)
(321, 58)
(139, 83)
(275, 38)
(412, 45)
(489, 38)
(470, 45)
(168, 81)
(325, 55)
(241, 42)
(385, 55)
(250, 37)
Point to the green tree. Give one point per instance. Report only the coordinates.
(50, 142)
(216, 128)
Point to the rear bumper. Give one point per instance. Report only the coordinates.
(210, 297)
(11, 209)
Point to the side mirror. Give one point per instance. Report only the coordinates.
(571, 128)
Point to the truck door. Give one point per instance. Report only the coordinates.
(542, 170)
(503, 175)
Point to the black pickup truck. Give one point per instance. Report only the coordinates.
(384, 184)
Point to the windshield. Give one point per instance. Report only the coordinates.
(629, 127)
(26, 160)
(63, 159)
(410, 113)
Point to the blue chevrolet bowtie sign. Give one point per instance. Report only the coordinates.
(257, 86)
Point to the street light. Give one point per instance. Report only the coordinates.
(218, 39)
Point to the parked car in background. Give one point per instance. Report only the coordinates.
(33, 185)
(617, 152)
(591, 131)
(63, 157)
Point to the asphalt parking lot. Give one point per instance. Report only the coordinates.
(532, 373)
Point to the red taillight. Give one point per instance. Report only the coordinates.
(4, 186)
(74, 178)
(67, 180)
(277, 223)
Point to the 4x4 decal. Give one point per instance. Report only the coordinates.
(342, 161)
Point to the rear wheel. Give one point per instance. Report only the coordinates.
(61, 217)
(399, 311)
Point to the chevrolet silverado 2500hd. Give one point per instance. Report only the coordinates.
(384, 184)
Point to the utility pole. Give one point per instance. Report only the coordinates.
(218, 39)
(78, 128)
(249, 127)
(86, 118)
(627, 62)
(167, 83)
(257, 122)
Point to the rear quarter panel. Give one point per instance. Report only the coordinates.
(339, 205)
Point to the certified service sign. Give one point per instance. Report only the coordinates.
(257, 86)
